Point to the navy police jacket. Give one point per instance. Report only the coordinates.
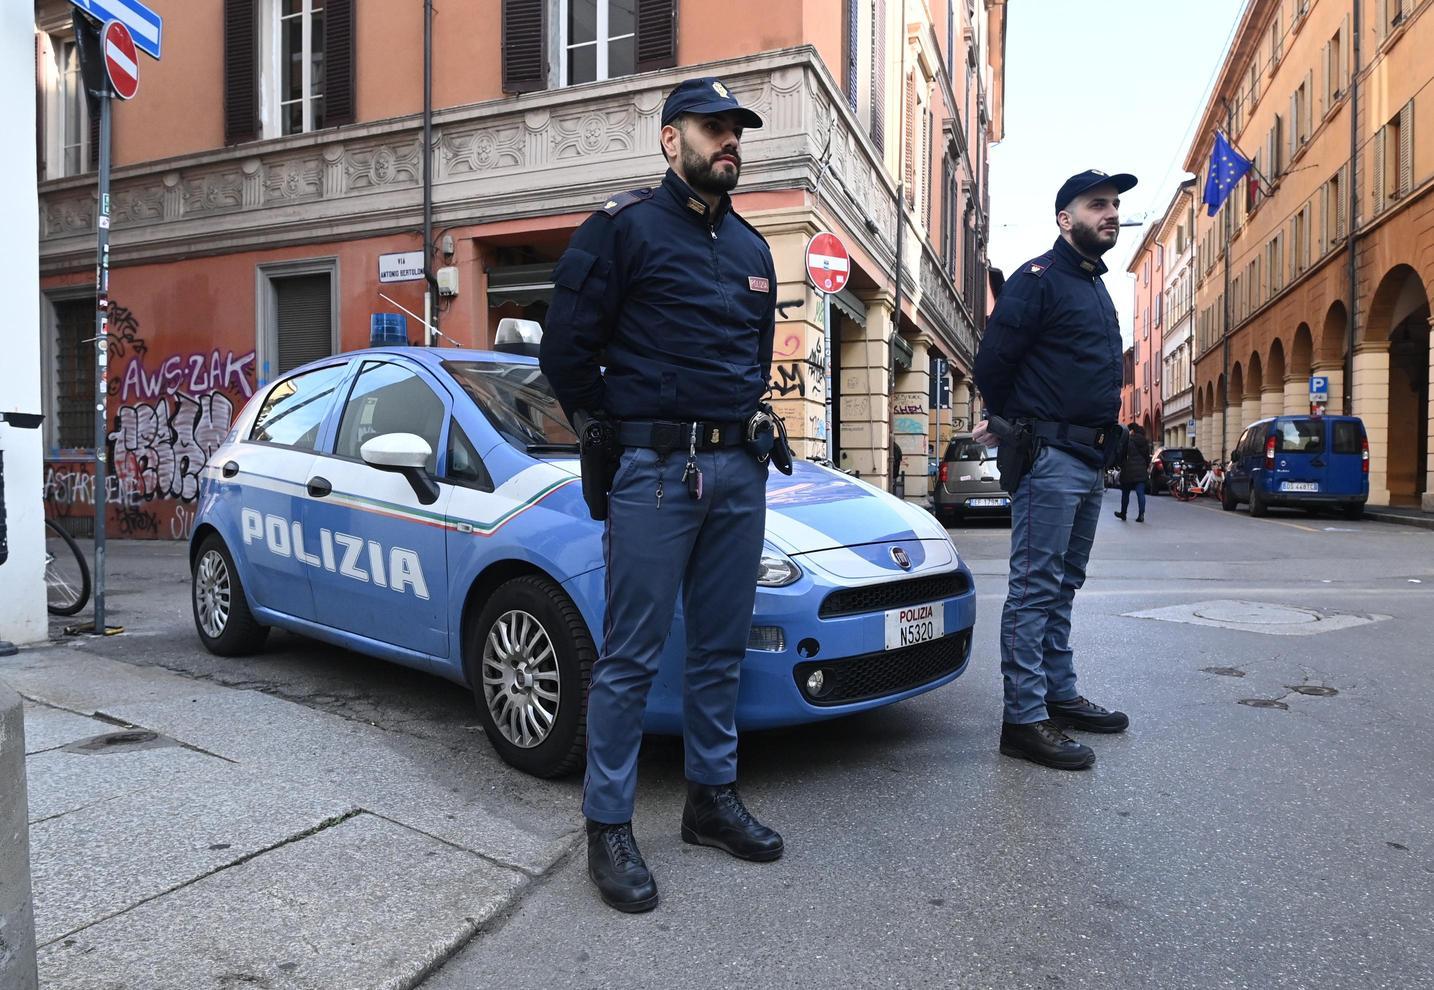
(1052, 348)
(677, 300)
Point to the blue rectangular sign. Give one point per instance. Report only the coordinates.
(1319, 386)
(144, 24)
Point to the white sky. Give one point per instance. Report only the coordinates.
(1116, 85)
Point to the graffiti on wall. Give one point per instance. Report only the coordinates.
(170, 411)
(161, 447)
(196, 374)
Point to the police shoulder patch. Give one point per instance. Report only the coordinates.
(621, 201)
(1037, 266)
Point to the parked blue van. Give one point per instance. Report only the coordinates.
(1309, 462)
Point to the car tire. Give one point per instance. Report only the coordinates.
(518, 688)
(1228, 501)
(222, 617)
(1353, 510)
(948, 517)
(1258, 508)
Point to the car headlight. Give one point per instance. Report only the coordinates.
(776, 569)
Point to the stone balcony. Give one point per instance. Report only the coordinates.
(542, 154)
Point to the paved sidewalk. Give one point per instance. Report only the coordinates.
(186, 834)
(1402, 515)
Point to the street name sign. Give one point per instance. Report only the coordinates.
(144, 24)
(121, 62)
(404, 267)
(828, 263)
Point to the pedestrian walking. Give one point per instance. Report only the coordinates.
(661, 328)
(1134, 471)
(1049, 368)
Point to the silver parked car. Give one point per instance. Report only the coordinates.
(967, 483)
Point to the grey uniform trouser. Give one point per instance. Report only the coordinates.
(709, 549)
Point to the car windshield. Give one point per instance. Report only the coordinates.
(1299, 436)
(1185, 454)
(518, 401)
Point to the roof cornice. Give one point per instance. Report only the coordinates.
(1247, 38)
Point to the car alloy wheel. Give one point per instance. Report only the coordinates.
(521, 682)
(212, 594)
(222, 617)
(528, 656)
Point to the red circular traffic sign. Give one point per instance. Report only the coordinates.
(828, 264)
(121, 59)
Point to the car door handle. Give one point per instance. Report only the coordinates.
(230, 469)
(319, 487)
(1316, 462)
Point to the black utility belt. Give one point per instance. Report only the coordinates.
(1098, 437)
(665, 437)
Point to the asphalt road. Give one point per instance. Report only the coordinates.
(1266, 822)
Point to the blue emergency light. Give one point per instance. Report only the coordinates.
(387, 330)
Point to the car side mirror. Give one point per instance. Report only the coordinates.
(406, 454)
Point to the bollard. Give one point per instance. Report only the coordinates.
(17, 922)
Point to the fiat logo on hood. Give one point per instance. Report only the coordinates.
(900, 556)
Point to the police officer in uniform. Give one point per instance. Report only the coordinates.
(662, 321)
(1050, 367)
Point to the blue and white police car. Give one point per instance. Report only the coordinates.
(423, 506)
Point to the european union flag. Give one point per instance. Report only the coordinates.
(1227, 167)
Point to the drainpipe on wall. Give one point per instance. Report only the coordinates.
(430, 294)
(900, 166)
(1352, 243)
(1225, 337)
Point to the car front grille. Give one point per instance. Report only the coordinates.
(893, 594)
(878, 675)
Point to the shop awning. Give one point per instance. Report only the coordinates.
(850, 306)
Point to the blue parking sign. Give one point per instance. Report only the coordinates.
(1319, 388)
(145, 26)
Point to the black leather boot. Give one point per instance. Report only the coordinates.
(715, 816)
(616, 867)
(1043, 743)
(1079, 713)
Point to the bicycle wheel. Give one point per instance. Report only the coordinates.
(67, 576)
(1181, 490)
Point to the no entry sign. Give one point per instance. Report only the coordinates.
(121, 59)
(828, 264)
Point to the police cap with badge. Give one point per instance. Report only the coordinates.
(706, 95)
(1083, 182)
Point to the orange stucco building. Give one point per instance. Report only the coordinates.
(1147, 325)
(276, 152)
(1330, 253)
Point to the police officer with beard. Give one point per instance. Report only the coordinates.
(661, 325)
(1050, 368)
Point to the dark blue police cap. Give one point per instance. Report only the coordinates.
(1089, 179)
(706, 95)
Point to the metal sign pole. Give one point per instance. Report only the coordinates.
(827, 370)
(102, 354)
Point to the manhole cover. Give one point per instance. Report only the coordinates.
(1255, 614)
(1270, 618)
(1265, 703)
